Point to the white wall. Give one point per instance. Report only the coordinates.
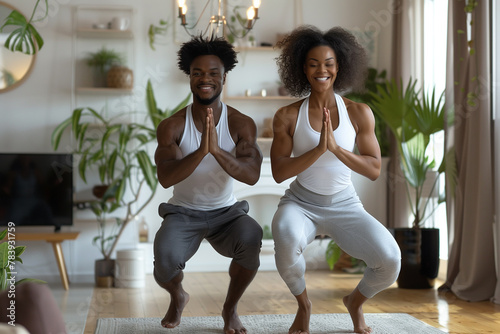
(31, 112)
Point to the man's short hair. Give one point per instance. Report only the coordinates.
(199, 46)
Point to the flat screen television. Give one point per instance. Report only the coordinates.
(36, 189)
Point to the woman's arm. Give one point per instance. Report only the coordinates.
(283, 165)
(368, 161)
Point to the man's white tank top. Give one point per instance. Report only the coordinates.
(327, 175)
(209, 187)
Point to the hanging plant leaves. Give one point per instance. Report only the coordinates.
(25, 38)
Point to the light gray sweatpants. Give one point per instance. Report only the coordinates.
(302, 215)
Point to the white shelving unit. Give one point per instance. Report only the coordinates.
(92, 30)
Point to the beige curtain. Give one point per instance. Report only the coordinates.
(496, 146)
(398, 209)
(471, 265)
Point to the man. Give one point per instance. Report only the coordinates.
(201, 149)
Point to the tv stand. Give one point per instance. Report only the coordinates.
(55, 238)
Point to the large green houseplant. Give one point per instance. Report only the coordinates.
(119, 153)
(414, 115)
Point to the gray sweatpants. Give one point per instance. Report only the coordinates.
(230, 231)
(302, 215)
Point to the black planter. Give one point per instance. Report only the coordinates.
(104, 272)
(419, 257)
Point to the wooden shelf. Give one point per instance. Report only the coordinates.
(105, 33)
(255, 48)
(105, 90)
(264, 98)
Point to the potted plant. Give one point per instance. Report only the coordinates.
(119, 153)
(413, 116)
(337, 259)
(102, 61)
(9, 255)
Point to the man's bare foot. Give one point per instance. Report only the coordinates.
(301, 323)
(172, 318)
(356, 312)
(232, 323)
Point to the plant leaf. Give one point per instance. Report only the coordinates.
(32, 280)
(25, 38)
(333, 253)
(153, 110)
(148, 169)
(4, 254)
(3, 234)
(57, 133)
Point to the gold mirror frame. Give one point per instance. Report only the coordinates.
(18, 61)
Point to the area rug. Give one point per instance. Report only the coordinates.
(338, 323)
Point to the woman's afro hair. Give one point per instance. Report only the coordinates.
(199, 46)
(351, 58)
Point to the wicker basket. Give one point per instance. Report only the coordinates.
(120, 77)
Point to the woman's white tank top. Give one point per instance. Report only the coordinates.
(327, 175)
(209, 187)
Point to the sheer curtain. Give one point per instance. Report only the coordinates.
(471, 265)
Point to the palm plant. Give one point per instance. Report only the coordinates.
(119, 153)
(413, 116)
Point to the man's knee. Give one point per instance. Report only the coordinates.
(167, 267)
(247, 254)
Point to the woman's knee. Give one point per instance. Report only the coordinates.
(390, 265)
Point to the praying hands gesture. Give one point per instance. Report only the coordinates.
(209, 139)
(327, 139)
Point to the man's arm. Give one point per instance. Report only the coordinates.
(283, 165)
(245, 165)
(171, 167)
(368, 161)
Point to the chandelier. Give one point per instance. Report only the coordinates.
(217, 22)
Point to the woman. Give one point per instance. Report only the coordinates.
(313, 141)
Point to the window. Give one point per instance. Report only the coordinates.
(434, 72)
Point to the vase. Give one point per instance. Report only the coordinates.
(99, 190)
(104, 273)
(419, 257)
(120, 77)
(99, 76)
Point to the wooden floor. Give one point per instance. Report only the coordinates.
(268, 295)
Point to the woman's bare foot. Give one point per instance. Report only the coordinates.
(232, 323)
(301, 323)
(354, 304)
(172, 318)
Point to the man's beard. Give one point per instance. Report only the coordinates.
(207, 102)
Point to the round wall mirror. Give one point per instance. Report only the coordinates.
(15, 67)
